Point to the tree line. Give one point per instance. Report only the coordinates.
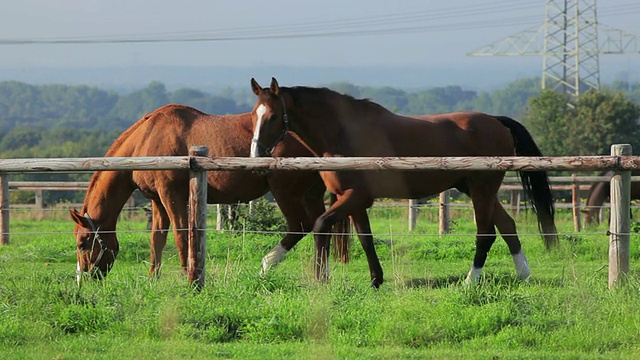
(78, 120)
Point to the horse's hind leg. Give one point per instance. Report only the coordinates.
(507, 227)
(348, 204)
(159, 231)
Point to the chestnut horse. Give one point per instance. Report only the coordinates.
(599, 192)
(170, 131)
(332, 124)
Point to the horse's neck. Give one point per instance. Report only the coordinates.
(599, 193)
(108, 192)
(328, 134)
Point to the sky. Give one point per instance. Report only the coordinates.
(328, 33)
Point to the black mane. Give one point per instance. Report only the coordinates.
(332, 96)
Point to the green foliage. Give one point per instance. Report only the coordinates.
(590, 127)
(547, 121)
(83, 319)
(262, 215)
(602, 119)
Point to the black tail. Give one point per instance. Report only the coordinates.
(535, 183)
(341, 237)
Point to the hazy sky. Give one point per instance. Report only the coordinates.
(281, 32)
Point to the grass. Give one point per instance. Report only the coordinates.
(423, 310)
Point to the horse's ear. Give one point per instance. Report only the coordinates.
(275, 88)
(255, 86)
(76, 216)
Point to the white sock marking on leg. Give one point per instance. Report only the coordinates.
(474, 275)
(273, 258)
(522, 266)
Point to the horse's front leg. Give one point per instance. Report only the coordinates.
(175, 205)
(483, 206)
(159, 231)
(301, 206)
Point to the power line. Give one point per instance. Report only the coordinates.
(391, 24)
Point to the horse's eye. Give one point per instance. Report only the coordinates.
(273, 117)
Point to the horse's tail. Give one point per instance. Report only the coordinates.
(535, 183)
(341, 237)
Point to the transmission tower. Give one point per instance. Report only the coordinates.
(568, 42)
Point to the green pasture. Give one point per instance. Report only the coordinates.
(422, 311)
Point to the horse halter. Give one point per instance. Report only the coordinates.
(269, 150)
(99, 240)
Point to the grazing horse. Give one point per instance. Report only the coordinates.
(332, 124)
(599, 193)
(170, 131)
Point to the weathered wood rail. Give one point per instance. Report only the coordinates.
(621, 162)
(508, 163)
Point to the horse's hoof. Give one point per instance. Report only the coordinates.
(525, 276)
(376, 284)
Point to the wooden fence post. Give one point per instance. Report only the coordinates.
(197, 221)
(219, 221)
(575, 202)
(620, 225)
(4, 210)
(413, 213)
(130, 206)
(515, 202)
(443, 227)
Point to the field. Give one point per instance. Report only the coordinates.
(423, 310)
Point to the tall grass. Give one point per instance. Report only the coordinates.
(423, 310)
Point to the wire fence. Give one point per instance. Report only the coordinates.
(394, 212)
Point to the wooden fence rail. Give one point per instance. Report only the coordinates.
(507, 163)
(620, 161)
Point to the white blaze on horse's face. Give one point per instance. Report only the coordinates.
(260, 111)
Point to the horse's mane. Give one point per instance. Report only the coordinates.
(117, 143)
(332, 97)
(122, 137)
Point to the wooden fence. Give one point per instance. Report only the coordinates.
(620, 161)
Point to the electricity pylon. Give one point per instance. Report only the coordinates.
(568, 42)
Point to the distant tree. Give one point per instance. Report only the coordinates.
(437, 100)
(186, 96)
(134, 105)
(512, 101)
(590, 127)
(546, 119)
(393, 99)
(630, 91)
(346, 88)
(21, 138)
(602, 119)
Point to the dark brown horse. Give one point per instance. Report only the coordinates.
(599, 193)
(170, 131)
(331, 124)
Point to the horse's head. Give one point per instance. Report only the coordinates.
(96, 249)
(590, 217)
(269, 118)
